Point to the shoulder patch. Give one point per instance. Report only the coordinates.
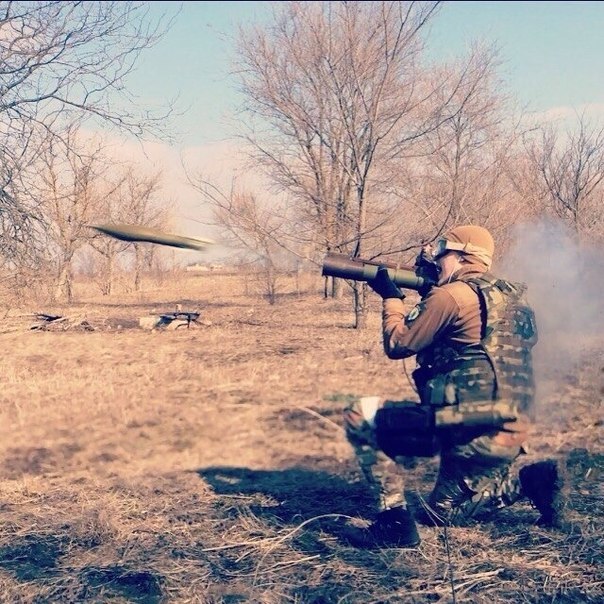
(414, 313)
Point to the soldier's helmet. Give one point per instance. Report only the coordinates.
(469, 240)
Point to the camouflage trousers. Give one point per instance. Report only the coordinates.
(474, 478)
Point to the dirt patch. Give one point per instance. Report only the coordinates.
(36, 460)
(134, 585)
(31, 557)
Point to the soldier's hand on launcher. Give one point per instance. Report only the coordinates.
(384, 286)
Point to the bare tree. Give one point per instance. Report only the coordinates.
(248, 224)
(570, 173)
(132, 198)
(20, 219)
(69, 183)
(321, 82)
(467, 168)
(61, 61)
(79, 184)
(113, 209)
(337, 97)
(70, 57)
(142, 206)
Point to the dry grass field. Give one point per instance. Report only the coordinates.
(209, 465)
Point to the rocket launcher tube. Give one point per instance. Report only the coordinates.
(357, 269)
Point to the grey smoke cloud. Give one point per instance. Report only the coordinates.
(565, 288)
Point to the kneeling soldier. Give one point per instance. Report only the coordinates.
(473, 334)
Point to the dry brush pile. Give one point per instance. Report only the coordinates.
(209, 465)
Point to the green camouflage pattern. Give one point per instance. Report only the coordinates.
(474, 390)
(470, 415)
(381, 473)
(474, 481)
(495, 378)
(509, 334)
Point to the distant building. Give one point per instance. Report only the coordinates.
(203, 268)
(197, 268)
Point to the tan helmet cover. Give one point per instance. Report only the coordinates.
(473, 241)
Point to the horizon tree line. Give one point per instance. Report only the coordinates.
(367, 146)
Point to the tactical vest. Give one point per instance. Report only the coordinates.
(494, 377)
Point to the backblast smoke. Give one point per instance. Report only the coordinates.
(565, 286)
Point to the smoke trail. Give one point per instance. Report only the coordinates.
(564, 280)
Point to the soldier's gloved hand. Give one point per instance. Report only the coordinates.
(384, 286)
(426, 268)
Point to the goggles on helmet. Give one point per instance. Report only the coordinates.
(439, 249)
(442, 246)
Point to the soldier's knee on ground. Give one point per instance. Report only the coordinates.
(471, 485)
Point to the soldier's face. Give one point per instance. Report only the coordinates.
(449, 263)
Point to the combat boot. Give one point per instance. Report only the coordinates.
(394, 527)
(542, 482)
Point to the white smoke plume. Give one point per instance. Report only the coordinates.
(565, 288)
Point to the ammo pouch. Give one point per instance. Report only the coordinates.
(455, 405)
(406, 429)
(434, 389)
